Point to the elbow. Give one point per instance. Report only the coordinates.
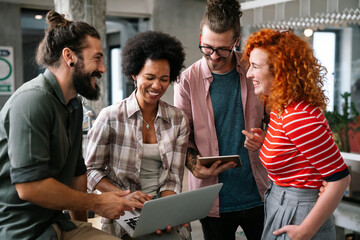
(24, 192)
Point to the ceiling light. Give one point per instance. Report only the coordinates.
(308, 32)
(38, 17)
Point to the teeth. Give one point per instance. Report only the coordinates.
(153, 93)
(256, 83)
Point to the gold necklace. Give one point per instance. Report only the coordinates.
(148, 124)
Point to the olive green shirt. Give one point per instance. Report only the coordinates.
(40, 137)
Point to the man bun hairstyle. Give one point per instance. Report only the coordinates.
(62, 33)
(222, 15)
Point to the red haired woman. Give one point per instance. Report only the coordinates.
(298, 151)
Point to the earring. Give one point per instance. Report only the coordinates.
(72, 64)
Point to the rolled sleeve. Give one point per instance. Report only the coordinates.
(97, 152)
(29, 173)
(174, 179)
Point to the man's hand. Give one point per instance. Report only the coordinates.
(254, 141)
(112, 205)
(200, 171)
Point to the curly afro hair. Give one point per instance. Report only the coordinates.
(152, 45)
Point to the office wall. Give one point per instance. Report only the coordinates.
(10, 26)
(180, 18)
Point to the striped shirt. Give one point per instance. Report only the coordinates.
(115, 146)
(299, 150)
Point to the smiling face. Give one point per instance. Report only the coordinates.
(88, 69)
(259, 72)
(152, 82)
(215, 40)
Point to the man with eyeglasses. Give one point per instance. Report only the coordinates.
(220, 102)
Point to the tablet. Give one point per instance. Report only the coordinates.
(208, 161)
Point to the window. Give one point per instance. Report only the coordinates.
(324, 44)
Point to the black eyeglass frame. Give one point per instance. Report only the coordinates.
(216, 50)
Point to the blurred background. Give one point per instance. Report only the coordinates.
(330, 26)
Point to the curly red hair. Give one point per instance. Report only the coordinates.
(298, 75)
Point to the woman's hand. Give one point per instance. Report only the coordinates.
(139, 196)
(322, 188)
(323, 208)
(293, 231)
(254, 141)
(169, 229)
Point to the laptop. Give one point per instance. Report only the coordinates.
(173, 210)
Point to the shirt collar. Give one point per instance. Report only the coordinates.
(50, 77)
(240, 66)
(133, 107)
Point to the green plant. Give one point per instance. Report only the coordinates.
(340, 124)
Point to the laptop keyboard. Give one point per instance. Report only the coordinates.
(132, 222)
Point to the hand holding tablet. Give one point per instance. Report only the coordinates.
(208, 161)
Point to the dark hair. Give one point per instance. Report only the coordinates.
(222, 15)
(62, 33)
(152, 45)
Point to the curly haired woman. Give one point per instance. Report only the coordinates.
(299, 151)
(140, 143)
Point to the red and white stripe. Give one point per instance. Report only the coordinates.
(299, 149)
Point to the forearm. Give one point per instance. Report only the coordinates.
(167, 193)
(79, 184)
(106, 186)
(49, 193)
(191, 158)
(325, 206)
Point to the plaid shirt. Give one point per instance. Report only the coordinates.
(115, 145)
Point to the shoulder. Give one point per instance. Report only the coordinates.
(32, 105)
(301, 108)
(171, 109)
(112, 112)
(240, 60)
(195, 70)
(302, 112)
(33, 95)
(175, 114)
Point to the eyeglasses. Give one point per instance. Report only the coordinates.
(207, 51)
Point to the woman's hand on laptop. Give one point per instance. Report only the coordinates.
(169, 229)
(139, 196)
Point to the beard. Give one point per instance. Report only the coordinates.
(216, 66)
(82, 82)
